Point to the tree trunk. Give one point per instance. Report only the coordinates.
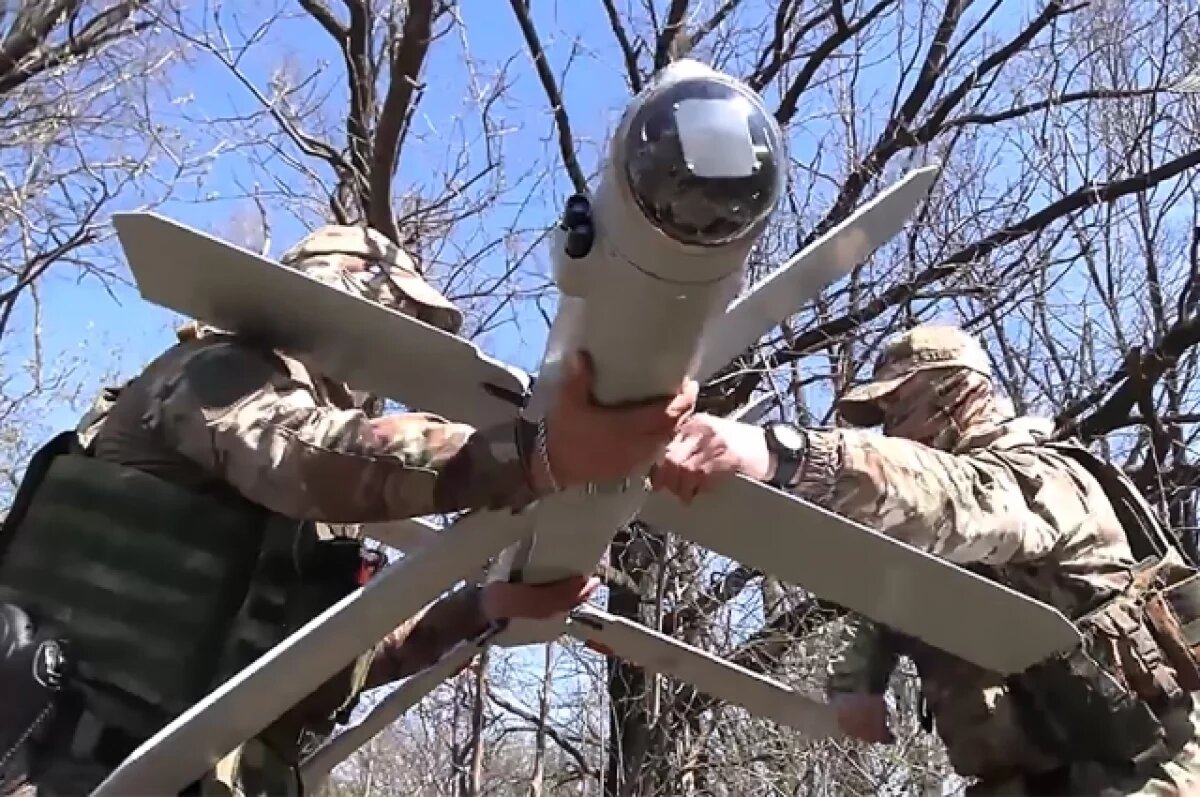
(636, 761)
(475, 784)
(539, 753)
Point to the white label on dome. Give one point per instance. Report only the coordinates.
(715, 137)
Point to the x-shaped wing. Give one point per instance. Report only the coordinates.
(384, 352)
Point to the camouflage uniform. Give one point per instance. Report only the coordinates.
(216, 412)
(955, 474)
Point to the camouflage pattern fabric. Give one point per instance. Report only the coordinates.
(215, 413)
(1006, 502)
(1024, 510)
(252, 770)
(420, 641)
(929, 347)
(1178, 775)
(958, 476)
(363, 262)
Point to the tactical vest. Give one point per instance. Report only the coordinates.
(1106, 700)
(164, 593)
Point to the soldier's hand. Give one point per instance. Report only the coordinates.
(589, 443)
(505, 601)
(707, 448)
(863, 717)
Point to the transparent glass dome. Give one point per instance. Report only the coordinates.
(704, 160)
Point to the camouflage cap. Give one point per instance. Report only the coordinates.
(922, 348)
(365, 261)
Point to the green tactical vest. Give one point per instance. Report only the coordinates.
(164, 593)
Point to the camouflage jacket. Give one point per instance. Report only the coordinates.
(1037, 520)
(214, 412)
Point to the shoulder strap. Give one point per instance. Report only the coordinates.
(1148, 535)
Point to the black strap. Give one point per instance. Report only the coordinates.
(1146, 534)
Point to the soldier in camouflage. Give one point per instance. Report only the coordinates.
(956, 474)
(215, 441)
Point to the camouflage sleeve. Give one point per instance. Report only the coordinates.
(966, 509)
(424, 639)
(241, 414)
(863, 658)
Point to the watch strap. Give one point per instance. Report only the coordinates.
(787, 459)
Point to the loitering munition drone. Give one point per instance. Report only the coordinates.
(649, 269)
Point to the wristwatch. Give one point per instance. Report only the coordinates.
(789, 445)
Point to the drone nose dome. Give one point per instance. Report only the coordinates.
(703, 159)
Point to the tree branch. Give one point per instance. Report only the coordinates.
(632, 71)
(566, 143)
(406, 66)
(828, 333)
(552, 732)
(791, 98)
(24, 57)
(898, 135)
(670, 33)
(1115, 411)
(321, 13)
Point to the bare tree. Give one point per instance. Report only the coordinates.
(77, 137)
(330, 144)
(1060, 231)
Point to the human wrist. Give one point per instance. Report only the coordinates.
(543, 476)
(531, 459)
(787, 451)
(758, 461)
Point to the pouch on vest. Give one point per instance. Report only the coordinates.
(1076, 707)
(1103, 700)
(33, 669)
(321, 572)
(1167, 578)
(143, 576)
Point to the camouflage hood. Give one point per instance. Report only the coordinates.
(933, 385)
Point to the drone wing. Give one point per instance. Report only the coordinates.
(865, 571)
(801, 279)
(758, 694)
(323, 760)
(403, 535)
(353, 340)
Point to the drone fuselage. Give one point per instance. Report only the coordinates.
(641, 304)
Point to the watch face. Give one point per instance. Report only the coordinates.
(788, 436)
